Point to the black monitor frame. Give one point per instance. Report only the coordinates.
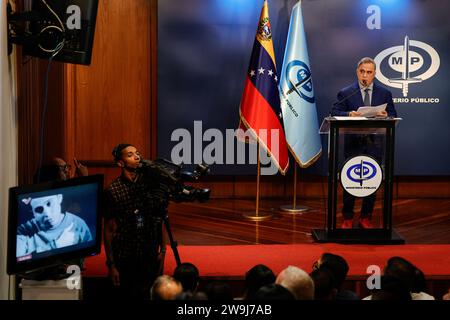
(24, 267)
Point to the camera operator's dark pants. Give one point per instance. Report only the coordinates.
(369, 145)
(137, 276)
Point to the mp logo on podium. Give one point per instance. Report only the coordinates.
(412, 63)
(361, 176)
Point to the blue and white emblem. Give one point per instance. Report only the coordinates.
(416, 62)
(361, 176)
(298, 80)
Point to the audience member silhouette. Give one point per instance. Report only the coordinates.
(411, 275)
(188, 295)
(165, 288)
(298, 282)
(392, 288)
(446, 296)
(218, 291)
(188, 275)
(58, 169)
(324, 284)
(405, 273)
(255, 278)
(338, 267)
(273, 292)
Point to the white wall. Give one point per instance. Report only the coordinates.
(8, 146)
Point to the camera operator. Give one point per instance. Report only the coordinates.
(133, 225)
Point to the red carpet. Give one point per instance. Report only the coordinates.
(234, 261)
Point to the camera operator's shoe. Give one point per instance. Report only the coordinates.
(364, 223)
(347, 224)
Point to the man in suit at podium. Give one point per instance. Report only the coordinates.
(364, 92)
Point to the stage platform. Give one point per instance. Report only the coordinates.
(224, 245)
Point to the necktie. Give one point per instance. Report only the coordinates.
(366, 97)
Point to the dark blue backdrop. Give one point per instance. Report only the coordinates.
(204, 48)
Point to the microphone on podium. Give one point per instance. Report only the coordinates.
(352, 94)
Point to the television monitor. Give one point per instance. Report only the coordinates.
(46, 30)
(52, 223)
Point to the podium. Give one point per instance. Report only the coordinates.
(360, 169)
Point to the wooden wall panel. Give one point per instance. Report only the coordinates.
(310, 187)
(54, 120)
(110, 173)
(31, 77)
(92, 108)
(28, 116)
(316, 187)
(221, 186)
(423, 187)
(153, 78)
(112, 97)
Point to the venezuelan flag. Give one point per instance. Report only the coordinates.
(260, 110)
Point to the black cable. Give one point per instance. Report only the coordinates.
(44, 112)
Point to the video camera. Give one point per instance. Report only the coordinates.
(172, 178)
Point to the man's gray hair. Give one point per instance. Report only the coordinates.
(165, 288)
(298, 282)
(366, 60)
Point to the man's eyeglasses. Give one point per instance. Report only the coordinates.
(368, 72)
(65, 167)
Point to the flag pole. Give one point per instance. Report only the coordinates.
(258, 216)
(294, 208)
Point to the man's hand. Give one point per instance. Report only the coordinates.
(354, 114)
(67, 237)
(113, 274)
(382, 114)
(80, 169)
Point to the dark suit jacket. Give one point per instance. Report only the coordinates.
(351, 100)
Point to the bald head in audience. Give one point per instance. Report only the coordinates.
(165, 288)
(298, 282)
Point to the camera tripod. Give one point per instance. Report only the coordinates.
(173, 243)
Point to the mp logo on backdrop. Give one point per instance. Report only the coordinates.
(413, 62)
(361, 176)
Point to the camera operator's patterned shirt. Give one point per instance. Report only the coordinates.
(138, 208)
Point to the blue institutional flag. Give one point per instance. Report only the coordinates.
(298, 102)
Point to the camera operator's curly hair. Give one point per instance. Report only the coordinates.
(117, 151)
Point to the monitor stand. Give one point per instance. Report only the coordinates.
(51, 283)
(56, 272)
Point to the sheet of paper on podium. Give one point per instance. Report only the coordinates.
(350, 118)
(371, 111)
